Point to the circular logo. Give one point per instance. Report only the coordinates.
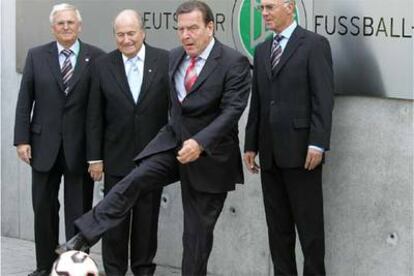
(249, 28)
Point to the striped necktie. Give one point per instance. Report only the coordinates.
(276, 52)
(190, 75)
(67, 69)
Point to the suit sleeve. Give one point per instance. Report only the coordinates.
(24, 104)
(236, 88)
(253, 121)
(94, 118)
(322, 89)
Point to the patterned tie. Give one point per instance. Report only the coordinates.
(133, 78)
(190, 75)
(67, 69)
(276, 51)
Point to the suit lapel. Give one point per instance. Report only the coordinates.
(266, 56)
(176, 63)
(53, 62)
(293, 43)
(208, 67)
(81, 63)
(118, 70)
(149, 71)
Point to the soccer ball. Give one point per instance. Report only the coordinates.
(74, 263)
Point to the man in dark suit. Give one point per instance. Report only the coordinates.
(289, 125)
(122, 118)
(49, 130)
(199, 146)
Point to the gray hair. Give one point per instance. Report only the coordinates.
(63, 7)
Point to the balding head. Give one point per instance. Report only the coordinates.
(129, 16)
(129, 32)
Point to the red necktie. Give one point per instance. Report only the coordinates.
(190, 75)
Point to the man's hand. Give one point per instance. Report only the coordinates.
(249, 160)
(313, 159)
(24, 151)
(190, 151)
(95, 171)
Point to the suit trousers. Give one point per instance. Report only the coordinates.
(78, 196)
(140, 227)
(293, 197)
(201, 210)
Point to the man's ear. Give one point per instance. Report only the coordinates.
(291, 7)
(210, 27)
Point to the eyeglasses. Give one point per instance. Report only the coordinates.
(271, 7)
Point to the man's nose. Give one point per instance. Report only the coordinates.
(126, 39)
(186, 34)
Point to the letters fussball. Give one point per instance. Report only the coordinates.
(74, 263)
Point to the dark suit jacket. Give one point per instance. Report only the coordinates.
(57, 119)
(209, 114)
(117, 127)
(292, 108)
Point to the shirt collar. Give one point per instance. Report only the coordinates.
(139, 56)
(287, 33)
(74, 48)
(204, 55)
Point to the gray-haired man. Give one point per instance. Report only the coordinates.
(49, 129)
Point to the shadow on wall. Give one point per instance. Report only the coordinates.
(358, 73)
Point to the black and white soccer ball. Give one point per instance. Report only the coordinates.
(74, 263)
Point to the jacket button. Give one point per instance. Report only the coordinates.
(272, 102)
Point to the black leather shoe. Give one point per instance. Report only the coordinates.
(78, 243)
(39, 272)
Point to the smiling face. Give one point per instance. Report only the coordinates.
(277, 14)
(194, 33)
(129, 34)
(66, 27)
